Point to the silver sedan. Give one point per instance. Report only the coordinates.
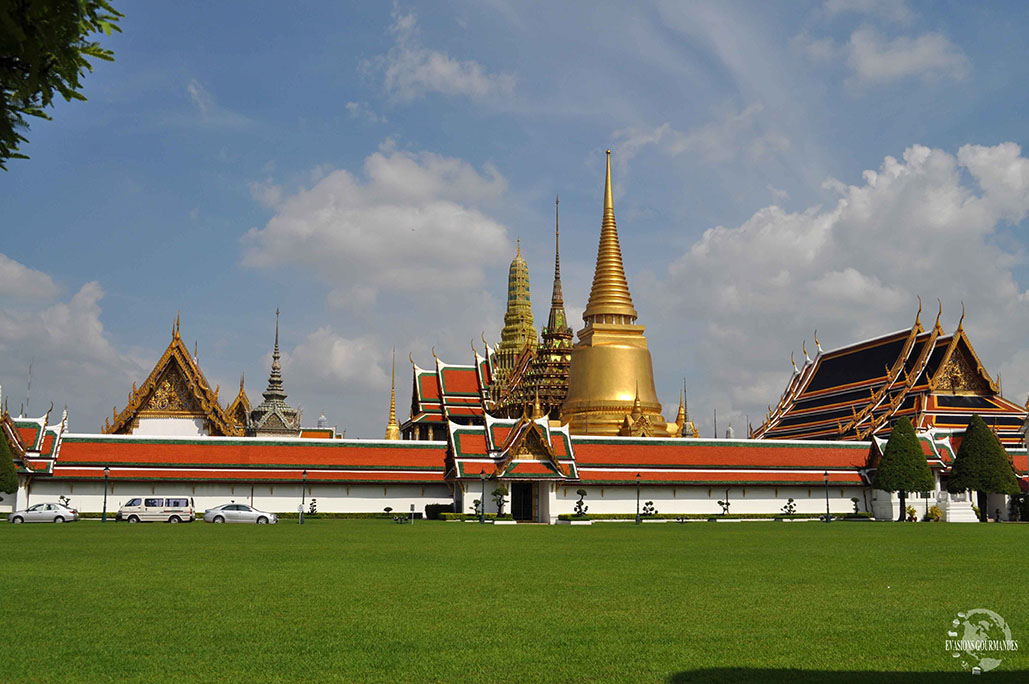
(239, 513)
(44, 512)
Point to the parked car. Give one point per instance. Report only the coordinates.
(239, 513)
(44, 512)
(173, 509)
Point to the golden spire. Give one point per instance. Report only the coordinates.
(610, 293)
(637, 409)
(537, 410)
(392, 429)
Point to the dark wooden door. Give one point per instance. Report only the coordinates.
(521, 500)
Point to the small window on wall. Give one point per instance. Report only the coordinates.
(154, 503)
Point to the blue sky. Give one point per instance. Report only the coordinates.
(367, 168)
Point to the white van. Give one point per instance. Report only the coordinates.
(173, 509)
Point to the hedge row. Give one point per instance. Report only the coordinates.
(472, 516)
(704, 516)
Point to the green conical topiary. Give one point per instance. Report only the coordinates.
(982, 465)
(903, 467)
(8, 475)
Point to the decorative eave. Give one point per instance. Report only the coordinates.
(960, 337)
(201, 392)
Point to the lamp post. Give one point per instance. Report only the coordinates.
(828, 518)
(637, 498)
(303, 497)
(107, 473)
(482, 501)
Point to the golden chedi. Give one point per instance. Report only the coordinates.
(611, 375)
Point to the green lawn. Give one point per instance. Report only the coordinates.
(368, 600)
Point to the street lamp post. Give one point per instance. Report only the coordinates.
(107, 473)
(482, 501)
(637, 498)
(828, 518)
(303, 497)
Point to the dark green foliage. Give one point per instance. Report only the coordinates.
(498, 498)
(580, 506)
(981, 463)
(903, 467)
(45, 52)
(433, 511)
(8, 475)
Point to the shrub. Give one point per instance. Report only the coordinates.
(313, 507)
(388, 509)
(649, 509)
(725, 507)
(789, 509)
(854, 500)
(433, 511)
(580, 507)
(475, 506)
(912, 514)
(934, 514)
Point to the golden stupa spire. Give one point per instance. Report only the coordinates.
(392, 429)
(610, 301)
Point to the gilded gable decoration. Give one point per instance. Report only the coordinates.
(175, 388)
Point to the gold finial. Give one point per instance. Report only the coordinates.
(537, 410)
(392, 429)
(803, 346)
(194, 350)
(434, 353)
(817, 345)
(637, 409)
(961, 321)
(918, 316)
(410, 357)
(795, 369)
(519, 252)
(939, 313)
(177, 313)
(609, 295)
(241, 377)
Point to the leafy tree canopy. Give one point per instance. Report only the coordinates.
(903, 467)
(982, 463)
(45, 49)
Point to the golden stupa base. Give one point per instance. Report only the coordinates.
(610, 370)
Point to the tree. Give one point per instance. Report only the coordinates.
(982, 464)
(903, 467)
(8, 475)
(45, 49)
(498, 498)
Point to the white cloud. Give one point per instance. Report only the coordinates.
(361, 110)
(409, 222)
(921, 225)
(876, 59)
(207, 112)
(735, 134)
(410, 70)
(18, 281)
(326, 361)
(71, 355)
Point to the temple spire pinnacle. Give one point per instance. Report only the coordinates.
(610, 300)
(392, 429)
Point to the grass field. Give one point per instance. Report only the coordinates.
(368, 600)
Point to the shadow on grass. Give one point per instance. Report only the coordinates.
(745, 674)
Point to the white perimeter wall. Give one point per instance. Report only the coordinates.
(278, 498)
(704, 500)
(552, 499)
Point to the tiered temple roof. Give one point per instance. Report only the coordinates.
(274, 416)
(859, 391)
(175, 388)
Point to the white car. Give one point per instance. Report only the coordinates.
(239, 513)
(44, 512)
